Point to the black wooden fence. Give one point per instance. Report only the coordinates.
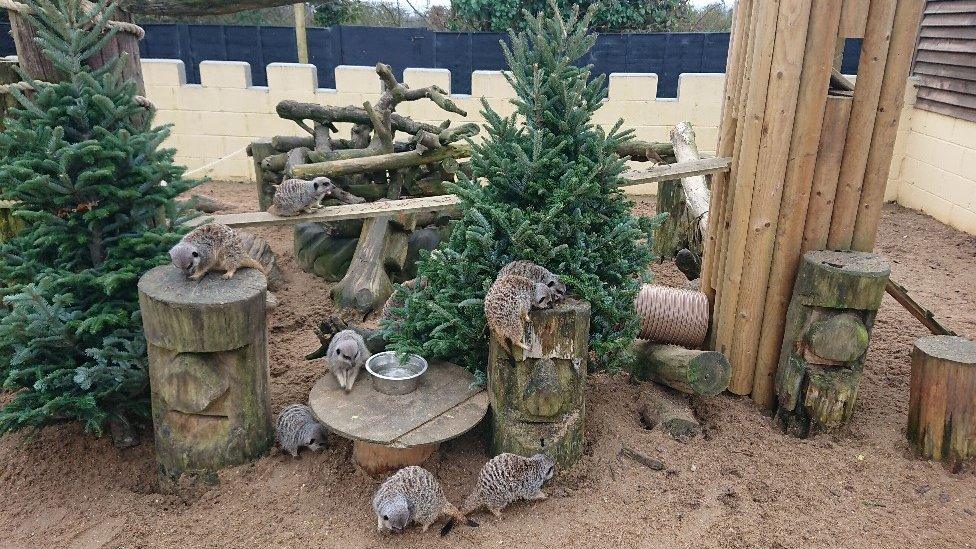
(667, 54)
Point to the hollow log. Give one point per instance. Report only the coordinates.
(391, 161)
(259, 151)
(687, 370)
(942, 405)
(208, 369)
(325, 249)
(828, 326)
(670, 412)
(537, 396)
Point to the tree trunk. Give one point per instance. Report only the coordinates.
(828, 325)
(669, 411)
(208, 369)
(326, 249)
(389, 162)
(695, 188)
(537, 398)
(942, 406)
(687, 370)
(673, 233)
(368, 283)
(259, 150)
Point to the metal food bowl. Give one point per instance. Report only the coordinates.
(393, 377)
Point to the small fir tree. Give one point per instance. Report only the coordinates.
(552, 197)
(95, 190)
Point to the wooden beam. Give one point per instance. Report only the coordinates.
(447, 201)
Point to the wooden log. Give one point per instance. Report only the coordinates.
(667, 172)
(942, 406)
(925, 316)
(261, 251)
(260, 150)
(326, 250)
(670, 412)
(687, 370)
(694, 187)
(208, 369)
(390, 161)
(825, 173)
(646, 151)
(857, 145)
(673, 233)
(892, 98)
(378, 460)
(828, 325)
(712, 255)
(811, 102)
(537, 397)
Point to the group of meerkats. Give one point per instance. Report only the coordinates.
(412, 495)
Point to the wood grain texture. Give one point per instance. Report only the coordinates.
(826, 171)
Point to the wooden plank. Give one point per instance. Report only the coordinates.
(946, 109)
(949, 19)
(853, 17)
(949, 71)
(802, 160)
(968, 33)
(824, 187)
(667, 172)
(959, 45)
(948, 97)
(967, 87)
(950, 6)
(870, 73)
(947, 58)
(925, 316)
(903, 36)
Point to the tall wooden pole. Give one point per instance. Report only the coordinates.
(301, 32)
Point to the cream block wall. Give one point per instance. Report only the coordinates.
(216, 119)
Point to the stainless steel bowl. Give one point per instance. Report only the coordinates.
(392, 377)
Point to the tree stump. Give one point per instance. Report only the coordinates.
(828, 326)
(379, 257)
(537, 398)
(208, 369)
(942, 408)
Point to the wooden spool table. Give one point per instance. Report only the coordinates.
(393, 431)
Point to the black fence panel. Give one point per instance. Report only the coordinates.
(667, 54)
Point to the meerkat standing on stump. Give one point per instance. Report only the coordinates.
(413, 495)
(508, 478)
(538, 274)
(507, 307)
(346, 355)
(212, 247)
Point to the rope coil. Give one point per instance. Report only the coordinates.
(672, 315)
(22, 86)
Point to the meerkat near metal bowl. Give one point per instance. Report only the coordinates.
(392, 376)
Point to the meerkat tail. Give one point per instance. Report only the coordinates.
(249, 261)
(455, 516)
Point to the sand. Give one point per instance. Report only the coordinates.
(743, 484)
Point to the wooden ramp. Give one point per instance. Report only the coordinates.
(367, 210)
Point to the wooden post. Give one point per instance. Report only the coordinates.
(942, 407)
(828, 325)
(687, 370)
(208, 369)
(537, 398)
(259, 150)
(301, 34)
(824, 187)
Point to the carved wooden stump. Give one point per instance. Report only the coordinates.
(828, 326)
(942, 409)
(208, 366)
(537, 397)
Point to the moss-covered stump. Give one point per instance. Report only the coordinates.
(828, 326)
(208, 369)
(942, 407)
(687, 370)
(537, 397)
(675, 232)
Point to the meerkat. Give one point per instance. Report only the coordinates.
(508, 478)
(297, 427)
(296, 196)
(536, 273)
(413, 495)
(346, 355)
(212, 247)
(507, 307)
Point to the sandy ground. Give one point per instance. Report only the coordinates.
(741, 485)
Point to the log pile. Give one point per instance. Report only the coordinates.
(800, 153)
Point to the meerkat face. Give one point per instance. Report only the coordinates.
(346, 352)
(541, 297)
(395, 516)
(547, 466)
(322, 187)
(315, 439)
(557, 286)
(185, 257)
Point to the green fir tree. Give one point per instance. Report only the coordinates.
(552, 197)
(96, 192)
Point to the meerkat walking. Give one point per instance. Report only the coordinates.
(538, 274)
(507, 307)
(413, 495)
(209, 248)
(346, 355)
(297, 427)
(508, 478)
(296, 196)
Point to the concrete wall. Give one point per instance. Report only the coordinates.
(933, 168)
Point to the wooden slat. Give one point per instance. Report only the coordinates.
(949, 19)
(665, 172)
(948, 84)
(968, 33)
(951, 6)
(947, 58)
(958, 45)
(948, 97)
(954, 111)
(949, 71)
(852, 19)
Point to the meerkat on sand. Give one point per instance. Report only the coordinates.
(212, 247)
(413, 495)
(536, 273)
(296, 196)
(508, 478)
(297, 428)
(346, 355)
(507, 307)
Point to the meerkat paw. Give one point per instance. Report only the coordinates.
(496, 511)
(228, 275)
(538, 496)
